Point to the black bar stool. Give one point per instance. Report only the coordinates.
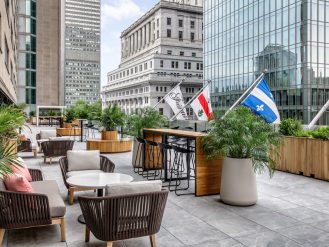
(138, 166)
(181, 166)
(166, 151)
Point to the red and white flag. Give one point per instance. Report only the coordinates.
(202, 105)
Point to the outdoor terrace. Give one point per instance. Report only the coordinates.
(291, 211)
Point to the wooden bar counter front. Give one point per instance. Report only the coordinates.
(207, 172)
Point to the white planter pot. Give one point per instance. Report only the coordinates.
(238, 186)
(137, 154)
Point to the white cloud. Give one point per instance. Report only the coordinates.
(121, 10)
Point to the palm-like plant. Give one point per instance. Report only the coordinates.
(112, 118)
(11, 118)
(243, 135)
(8, 156)
(145, 118)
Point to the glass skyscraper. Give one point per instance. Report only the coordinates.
(290, 38)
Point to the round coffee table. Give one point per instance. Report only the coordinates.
(97, 181)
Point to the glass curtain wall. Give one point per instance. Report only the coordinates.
(288, 38)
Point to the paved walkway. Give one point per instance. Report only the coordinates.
(292, 211)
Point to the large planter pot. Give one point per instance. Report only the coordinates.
(67, 125)
(110, 135)
(238, 186)
(137, 154)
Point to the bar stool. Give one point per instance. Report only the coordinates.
(166, 151)
(89, 127)
(138, 166)
(73, 131)
(179, 169)
(153, 161)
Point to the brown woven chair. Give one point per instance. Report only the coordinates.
(24, 210)
(53, 149)
(106, 166)
(114, 218)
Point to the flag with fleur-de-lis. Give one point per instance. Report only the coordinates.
(261, 101)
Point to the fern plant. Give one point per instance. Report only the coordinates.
(243, 135)
(145, 118)
(112, 118)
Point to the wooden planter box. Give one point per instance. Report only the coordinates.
(304, 156)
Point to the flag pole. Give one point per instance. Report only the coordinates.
(318, 115)
(255, 84)
(190, 101)
(169, 93)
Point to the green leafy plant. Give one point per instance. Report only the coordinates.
(243, 135)
(69, 115)
(32, 113)
(8, 156)
(81, 109)
(95, 111)
(304, 133)
(145, 118)
(11, 119)
(112, 118)
(321, 133)
(290, 127)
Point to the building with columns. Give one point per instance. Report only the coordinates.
(157, 52)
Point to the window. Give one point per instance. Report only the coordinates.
(181, 53)
(169, 52)
(151, 64)
(174, 64)
(168, 33)
(158, 21)
(140, 67)
(192, 24)
(161, 111)
(157, 88)
(168, 21)
(165, 89)
(158, 34)
(180, 23)
(192, 37)
(180, 35)
(161, 63)
(187, 65)
(146, 99)
(145, 66)
(193, 54)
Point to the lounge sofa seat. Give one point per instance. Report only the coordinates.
(43, 207)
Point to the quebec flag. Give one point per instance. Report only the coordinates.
(261, 101)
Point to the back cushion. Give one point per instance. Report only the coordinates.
(18, 183)
(133, 188)
(83, 160)
(45, 134)
(21, 170)
(60, 138)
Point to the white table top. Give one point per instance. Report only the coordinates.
(98, 180)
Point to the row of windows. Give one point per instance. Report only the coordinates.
(188, 75)
(180, 23)
(181, 53)
(180, 35)
(131, 71)
(130, 92)
(187, 65)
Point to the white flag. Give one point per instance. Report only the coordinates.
(176, 102)
(202, 105)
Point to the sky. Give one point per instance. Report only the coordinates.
(117, 15)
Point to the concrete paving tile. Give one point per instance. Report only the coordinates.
(267, 238)
(237, 226)
(192, 234)
(229, 242)
(306, 235)
(322, 225)
(305, 215)
(273, 220)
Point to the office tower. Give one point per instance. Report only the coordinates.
(39, 45)
(81, 51)
(157, 51)
(8, 51)
(289, 38)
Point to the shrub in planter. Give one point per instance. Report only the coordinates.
(69, 115)
(321, 133)
(246, 141)
(144, 118)
(111, 118)
(290, 127)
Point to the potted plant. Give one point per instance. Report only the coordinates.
(69, 117)
(144, 118)
(111, 118)
(247, 144)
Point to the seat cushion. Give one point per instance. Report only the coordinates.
(45, 134)
(83, 160)
(133, 188)
(50, 188)
(74, 173)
